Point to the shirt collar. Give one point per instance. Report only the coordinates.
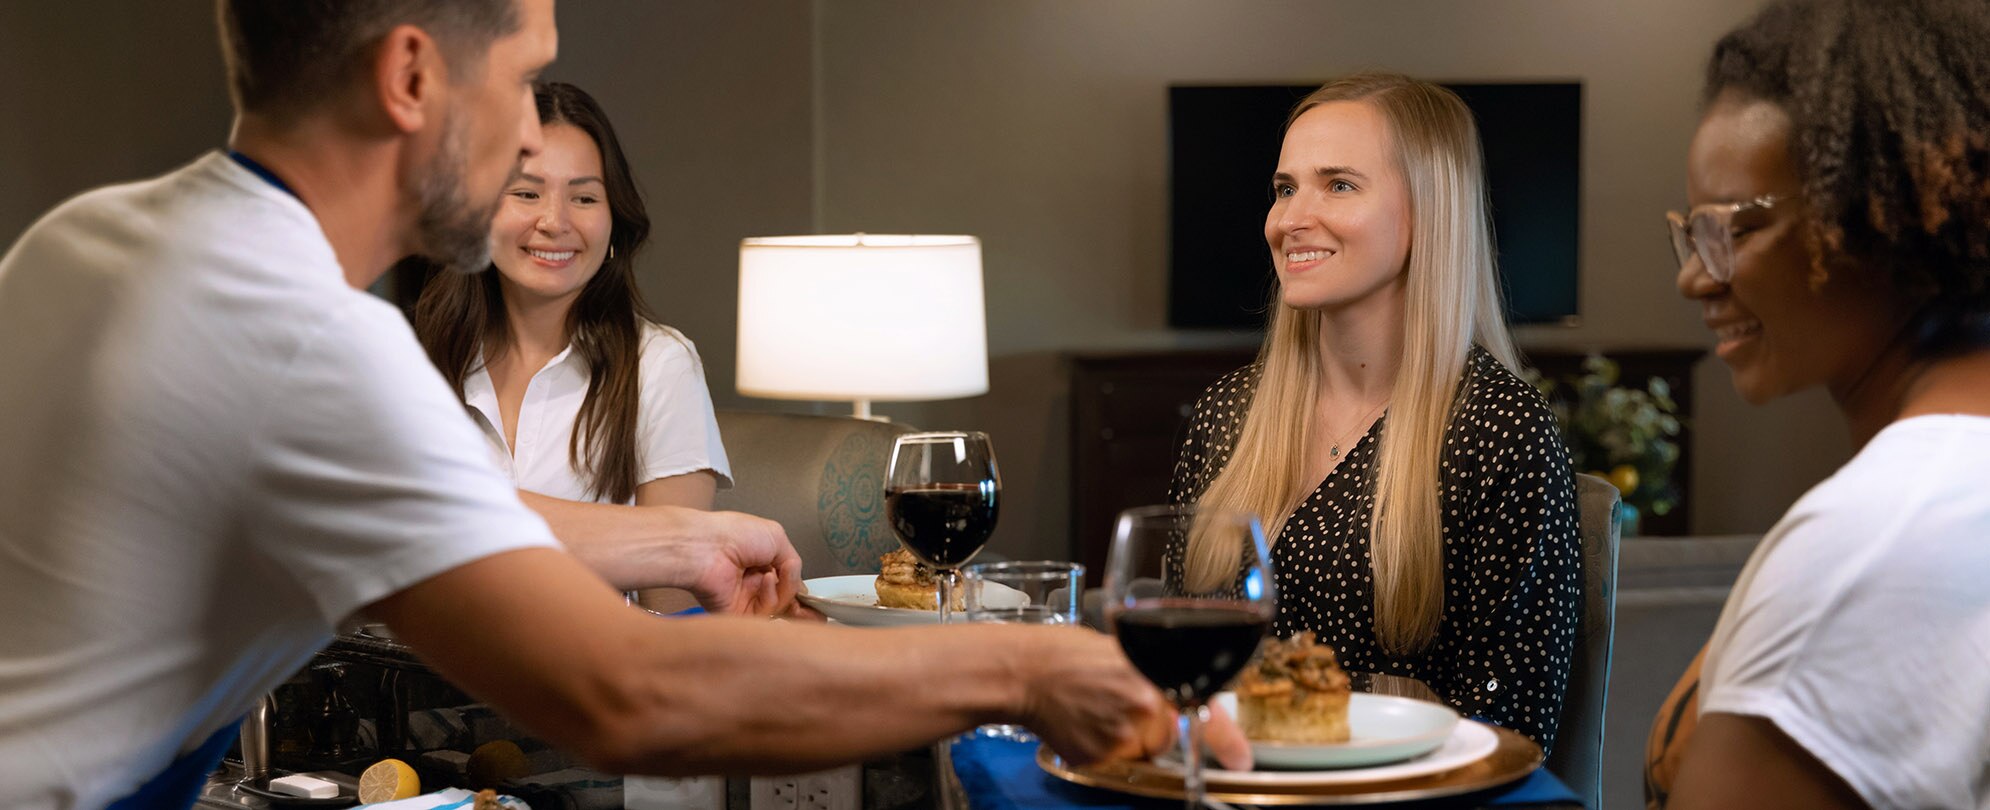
(263, 172)
(480, 393)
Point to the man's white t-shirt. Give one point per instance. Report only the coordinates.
(676, 430)
(212, 451)
(1861, 625)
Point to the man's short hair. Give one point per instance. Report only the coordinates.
(283, 55)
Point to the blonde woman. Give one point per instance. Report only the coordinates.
(1416, 491)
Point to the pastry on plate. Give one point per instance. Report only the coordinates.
(1295, 692)
(904, 582)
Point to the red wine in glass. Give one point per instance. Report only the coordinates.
(1190, 648)
(944, 525)
(942, 495)
(1189, 594)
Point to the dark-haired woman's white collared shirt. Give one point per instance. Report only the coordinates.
(1512, 549)
(676, 430)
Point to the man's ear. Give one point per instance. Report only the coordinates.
(408, 77)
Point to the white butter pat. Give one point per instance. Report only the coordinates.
(308, 787)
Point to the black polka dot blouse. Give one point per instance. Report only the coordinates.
(1512, 554)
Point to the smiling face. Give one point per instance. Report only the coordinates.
(490, 125)
(551, 233)
(1776, 334)
(1339, 225)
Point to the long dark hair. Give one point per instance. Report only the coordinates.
(457, 314)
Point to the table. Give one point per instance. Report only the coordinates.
(998, 774)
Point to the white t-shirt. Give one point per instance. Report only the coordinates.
(676, 432)
(1861, 625)
(212, 451)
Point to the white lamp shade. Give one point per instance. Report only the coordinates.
(861, 317)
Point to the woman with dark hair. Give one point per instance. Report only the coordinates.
(581, 395)
(1840, 239)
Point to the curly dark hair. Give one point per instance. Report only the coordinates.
(1889, 103)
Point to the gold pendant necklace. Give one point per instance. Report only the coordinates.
(1333, 449)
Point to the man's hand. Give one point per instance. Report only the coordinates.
(1223, 739)
(1088, 703)
(746, 565)
(732, 563)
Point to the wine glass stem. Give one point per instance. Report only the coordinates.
(947, 594)
(1191, 735)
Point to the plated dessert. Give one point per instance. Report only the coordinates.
(904, 582)
(1295, 692)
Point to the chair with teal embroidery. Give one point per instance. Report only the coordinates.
(820, 477)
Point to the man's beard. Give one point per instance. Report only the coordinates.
(450, 230)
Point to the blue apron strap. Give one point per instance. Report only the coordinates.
(180, 782)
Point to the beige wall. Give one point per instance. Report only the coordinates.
(1038, 125)
(99, 92)
(711, 100)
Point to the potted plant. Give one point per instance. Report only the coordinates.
(1624, 435)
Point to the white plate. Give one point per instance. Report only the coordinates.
(1470, 741)
(853, 599)
(1381, 729)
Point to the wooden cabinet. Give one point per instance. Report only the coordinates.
(1129, 412)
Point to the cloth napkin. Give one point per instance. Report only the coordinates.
(1000, 774)
(450, 799)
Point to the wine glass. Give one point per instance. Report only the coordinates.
(940, 495)
(1189, 594)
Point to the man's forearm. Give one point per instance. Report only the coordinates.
(791, 697)
(630, 546)
(528, 633)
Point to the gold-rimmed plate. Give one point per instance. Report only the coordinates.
(1513, 758)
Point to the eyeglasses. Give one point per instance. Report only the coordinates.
(1708, 231)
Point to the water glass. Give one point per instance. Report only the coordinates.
(1024, 592)
(1030, 592)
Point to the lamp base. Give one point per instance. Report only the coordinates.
(861, 409)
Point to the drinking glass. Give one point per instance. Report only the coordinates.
(1023, 592)
(1032, 592)
(1189, 594)
(941, 492)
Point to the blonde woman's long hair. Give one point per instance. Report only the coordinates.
(1451, 300)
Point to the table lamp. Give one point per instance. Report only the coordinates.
(861, 317)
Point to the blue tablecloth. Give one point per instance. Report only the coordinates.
(1001, 775)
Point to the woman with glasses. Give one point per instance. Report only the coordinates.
(1416, 492)
(582, 396)
(1839, 238)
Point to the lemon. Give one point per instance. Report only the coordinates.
(496, 762)
(1625, 479)
(388, 780)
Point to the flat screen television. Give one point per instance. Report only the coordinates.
(1223, 144)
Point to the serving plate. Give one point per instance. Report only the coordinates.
(853, 599)
(1512, 756)
(1382, 729)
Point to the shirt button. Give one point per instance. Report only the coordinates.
(1492, 684)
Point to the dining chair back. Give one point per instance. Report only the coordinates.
(820, 477)
(1578, 752)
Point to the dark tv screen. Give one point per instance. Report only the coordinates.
(1224, 143)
